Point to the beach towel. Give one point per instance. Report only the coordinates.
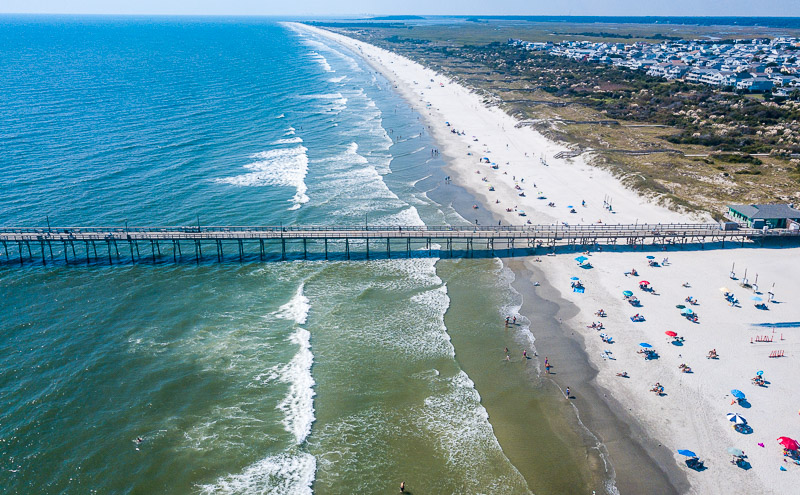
(579, 290)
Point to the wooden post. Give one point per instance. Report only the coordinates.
(283, 249)
(116, 249)
(138, 254)
(347, 247)
(21, 252)
(108, 245)
(153, 249)
(86, 243)
(261, 249)
(30, 254)
(219, 250)
(241, 251)
(180, 254)
(174, 254)
(326, 248)
(94, 248)
(388, 249)
(158, 249)
(66, 260)
(366, 241)
(196, 251)
(305, 249)
(5, 247)
(44, 262)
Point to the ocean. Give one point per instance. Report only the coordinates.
(276, 377)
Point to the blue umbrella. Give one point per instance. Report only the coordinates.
(574, 278)
(651, 257)
(756, 298)
(759, 373)
(645, 345)
(581, 259)
(686, 311)
(737, 393)
(687, 453)
(735, 418)
(627, 293)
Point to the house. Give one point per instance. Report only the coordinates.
(775, 216)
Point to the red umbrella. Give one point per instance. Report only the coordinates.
(671, 333)
(789, 443)
(644, 282)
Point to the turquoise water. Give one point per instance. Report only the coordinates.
(239, 378)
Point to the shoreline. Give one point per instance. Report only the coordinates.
(614, 425)
(692, 412)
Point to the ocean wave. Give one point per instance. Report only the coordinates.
(280, 474)
(292, 140)
(279, 167)
(280, 116)
(296, 309)
(337, 80)
(322, 61)
(298, 406)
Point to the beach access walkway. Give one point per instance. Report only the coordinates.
(22, 245)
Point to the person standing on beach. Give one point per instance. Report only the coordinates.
(402, 487)
(567, 392)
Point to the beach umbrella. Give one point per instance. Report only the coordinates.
(735, 451)
(680, 306)
(724, 289)
(756, 298)
(627, 293)
(737, 393)
(644, 282)
(759, 373)
(686, 311)
(789, 443)
(581, 259)
(687, 453)
(574, 278)
(651, 257)
(671, 333)
(645, 345)
(736, 419)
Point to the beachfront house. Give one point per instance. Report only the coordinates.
(776, 216)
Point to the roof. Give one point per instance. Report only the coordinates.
(766, 211)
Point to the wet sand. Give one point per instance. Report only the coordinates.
(640, 464)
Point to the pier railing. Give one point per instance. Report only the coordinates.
(455, 240)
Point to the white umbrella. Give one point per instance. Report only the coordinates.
(736, 419)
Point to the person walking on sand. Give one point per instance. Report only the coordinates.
(567, 392)
(402, 487)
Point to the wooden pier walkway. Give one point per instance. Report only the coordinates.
(119, 244)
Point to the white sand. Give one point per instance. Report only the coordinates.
(692, 413)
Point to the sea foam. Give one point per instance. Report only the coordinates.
(281, 474)
(278, 167)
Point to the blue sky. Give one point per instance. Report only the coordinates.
(788, 8)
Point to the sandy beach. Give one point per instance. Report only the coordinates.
(691, 411)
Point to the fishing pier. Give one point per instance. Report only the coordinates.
(110, 245)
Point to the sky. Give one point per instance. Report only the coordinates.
(780, 8)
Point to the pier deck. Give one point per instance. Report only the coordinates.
(466, 239)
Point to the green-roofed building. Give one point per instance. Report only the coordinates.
(780, 216)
